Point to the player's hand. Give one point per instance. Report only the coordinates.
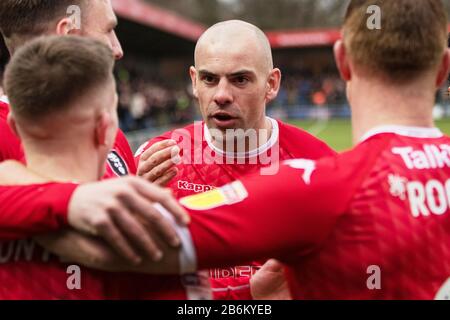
(74, 247)
(269, 283)
(157, 163)
(113, 209)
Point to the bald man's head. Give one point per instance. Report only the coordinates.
(234, 78)
(236, 36)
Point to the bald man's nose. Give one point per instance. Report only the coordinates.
(223, 95)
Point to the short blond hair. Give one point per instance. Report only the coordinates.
(412, 38)
(46, 75)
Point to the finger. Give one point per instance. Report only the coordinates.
(110, 233)
(174, 207)
(160, 170)
(157, 147)
(164, 226)
(162, 196)
(273, 266)
(170, 155)
(145, 209)
(165, 179)
(137, 234)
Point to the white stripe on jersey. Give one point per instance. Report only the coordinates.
(188, 255)
(413, 132)
(4, 99)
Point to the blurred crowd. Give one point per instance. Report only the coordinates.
(304, 88)
(146, 101)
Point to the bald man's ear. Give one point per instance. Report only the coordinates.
(273, 84)
(341, 57)
(193, 74)
(12, 124)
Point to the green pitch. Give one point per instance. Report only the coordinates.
(337, 132)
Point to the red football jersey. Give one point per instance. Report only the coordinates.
(29, 211)
(26, 270)
(371, 223)
(205, 167)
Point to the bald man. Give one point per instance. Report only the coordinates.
(233, 79)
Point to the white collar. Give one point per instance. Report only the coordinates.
(4, 99)
(413, 132)
(253, 153)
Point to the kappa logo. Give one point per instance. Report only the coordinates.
(117, 164)
(197, 188)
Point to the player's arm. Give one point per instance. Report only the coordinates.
(263, 217)
(107, 209)
(29, 209)
(92, 252)
(289, 214)
(260, 217)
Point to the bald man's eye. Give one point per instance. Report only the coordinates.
(208, 79)
(241, 80)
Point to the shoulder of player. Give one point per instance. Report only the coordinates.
(17, 174)
(303, 140)
(362, 155)
(347, 170)
(335, 178)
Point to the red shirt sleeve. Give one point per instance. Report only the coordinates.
(272, 216)
(35, 209)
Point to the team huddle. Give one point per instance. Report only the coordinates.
(240, 205)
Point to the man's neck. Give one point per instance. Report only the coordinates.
(65, 165)
(377, 104)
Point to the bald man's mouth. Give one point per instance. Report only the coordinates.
(224, 120)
